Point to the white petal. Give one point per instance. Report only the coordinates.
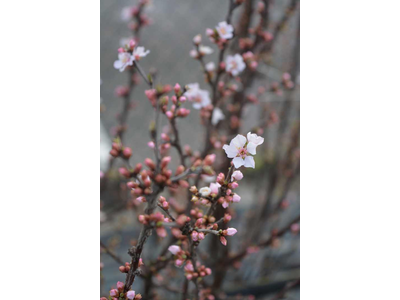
(118, 64)
(230, 151)
(239, 141)
(251, 147)
(249, 162)
(238, 162)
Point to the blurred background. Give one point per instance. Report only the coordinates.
(270, 193)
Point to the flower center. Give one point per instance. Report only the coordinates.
(242, 152)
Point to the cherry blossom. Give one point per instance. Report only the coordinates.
(225, 30)
(139, 52)
(217, 116)
(210, 67)
(174, 249)
(130, 295)
(199, 97)
(237, 175)
(124, 59)
(235, 64)
(205, 191)
(240, 149)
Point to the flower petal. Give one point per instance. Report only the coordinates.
(238, 162)
(251, 147)
(249, 162)
(239, 141)
(117, 64)
(230, 151)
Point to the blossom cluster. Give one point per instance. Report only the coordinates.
(128, 54)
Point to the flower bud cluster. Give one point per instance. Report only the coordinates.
(200, 272)
(118, 293)
(127, 266)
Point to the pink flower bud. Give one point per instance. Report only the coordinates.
(209, 32)
(197, 39)
(234, 185)
(151, 144)
(182, 99)
(120, 285)
(169, 114)
(177, 88)
(130, 295)
(148, 162)
(236, 198)
(174, 249)
(127, 152)
(130, 185)
(237, 175)
(178, 262)
(195, 236)
(231, 231)
(223, 240)
(114, 293)
(124, 172)
(201, 236)
(227, 218)
(141, 199)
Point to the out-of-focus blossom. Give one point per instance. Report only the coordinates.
(237, 175)
(235, 64)
(124, 59)
(217, 116)
(210, 67)
(199, 97)
(174, 249)
(130, 295)
(225, 30)
(140, 52)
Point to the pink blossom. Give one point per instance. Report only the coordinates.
(214, 188)
(231, 231)
(174, 249)
(120, 285)
(151, 144)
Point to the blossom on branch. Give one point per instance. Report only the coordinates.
(240, 149)
(235, 64)
(124, 59)
(199, 97)
(225, 30)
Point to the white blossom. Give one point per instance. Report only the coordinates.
(124, 59)
(240, 149)
(205, 191)
(235, 64)
(225, 30)
(140, 52)
(217, 116)
(210, 66)
(199, 97)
